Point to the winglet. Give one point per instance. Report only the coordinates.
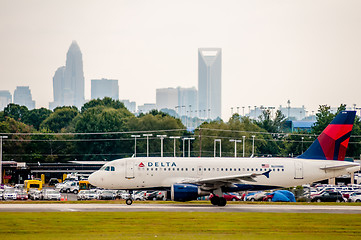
(267, 173)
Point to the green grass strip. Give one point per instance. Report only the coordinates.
(178, 225)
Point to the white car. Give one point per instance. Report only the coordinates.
(50, 194)
(88, 195)
(355, 197)
(34, 194)
(68, 186)
(10, 194)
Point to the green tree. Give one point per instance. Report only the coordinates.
(101, 119)
(15, 111)
(35, 117)
(59, 119)
(107, 101)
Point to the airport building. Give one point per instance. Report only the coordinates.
(5, 99)
(104, 88)
(210, 82)
(23, 97)
(68, 81)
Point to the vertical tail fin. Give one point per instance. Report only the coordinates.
(332, 143)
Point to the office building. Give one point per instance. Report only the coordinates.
(5, 99)
(166, 98)
(104, 88)
(147, 107)
(210, 81)
(131, 106)
(22, 96)
(68, 81)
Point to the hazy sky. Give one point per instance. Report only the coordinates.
(305, 51)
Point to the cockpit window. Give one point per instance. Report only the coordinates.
(107, 168)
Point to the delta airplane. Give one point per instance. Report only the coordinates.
(188, 178)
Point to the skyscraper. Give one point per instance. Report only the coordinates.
(104, 88)
(5, 99)
(68, 81)
(22, 96)
(210, 81)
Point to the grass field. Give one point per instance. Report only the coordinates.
(178, 225)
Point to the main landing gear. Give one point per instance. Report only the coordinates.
(218, 201)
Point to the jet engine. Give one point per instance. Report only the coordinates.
(186, 192)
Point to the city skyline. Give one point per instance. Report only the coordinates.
(272, 51)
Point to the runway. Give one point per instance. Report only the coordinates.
(179, 208)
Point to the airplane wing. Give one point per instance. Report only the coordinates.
(227, 180)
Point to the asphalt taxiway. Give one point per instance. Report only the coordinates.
(179, 208)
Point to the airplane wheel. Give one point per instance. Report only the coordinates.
(318, 200)
(215, 200)
(129, 201)
(222, 202)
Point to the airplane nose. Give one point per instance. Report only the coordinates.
(93, 179)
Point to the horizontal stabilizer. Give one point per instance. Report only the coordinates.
(340, 167)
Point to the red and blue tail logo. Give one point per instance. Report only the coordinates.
(333, 141)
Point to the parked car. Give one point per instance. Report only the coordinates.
(10, 194)
(355, 197)
(88, 195)
(21, 195)
(107, 195)
(329, 196)
(34, 194)
(1, 194)
(229, 197)
(53, 181)
(256, 197)
(138, 196)
(50, 194)
(157, 195)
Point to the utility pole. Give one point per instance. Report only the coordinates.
(1, 158)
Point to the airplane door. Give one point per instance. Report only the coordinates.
(298, 170)
(129, 169)
(199, 170)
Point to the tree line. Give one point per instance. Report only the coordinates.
(103, 129)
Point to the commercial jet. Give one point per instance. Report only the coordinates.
(187, 179)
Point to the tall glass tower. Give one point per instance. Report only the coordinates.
(210, 82)
(68, 81)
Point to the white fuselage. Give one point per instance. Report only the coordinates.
(147, 173)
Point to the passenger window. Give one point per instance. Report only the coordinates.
(221, 169)
(205, 169)
(192, 169)
(112, 169)
(186, 169)
(165, 169)
(181, 169)
(209, 169)
(107, 168)
(230, 169)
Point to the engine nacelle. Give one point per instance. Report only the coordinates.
(185, 192)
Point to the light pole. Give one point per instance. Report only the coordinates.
(220, 147)
(148, 135)
(174, 137)
(253, 136)
(302, 143)
(244, 142)
(183, 140)
(235, 145)
(161, 143)
(135, 144)
(1, 158)
(189, 145)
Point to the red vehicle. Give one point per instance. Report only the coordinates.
(21, 196)
(268, 197)
(229, 197)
